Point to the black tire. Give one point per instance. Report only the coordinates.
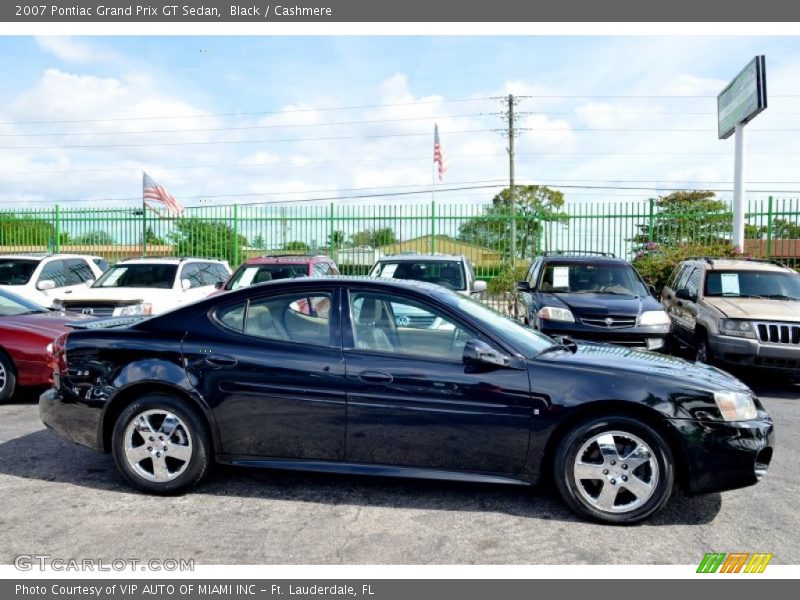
(579, 493)
(702, 350)
(190, 438)
(8, 377)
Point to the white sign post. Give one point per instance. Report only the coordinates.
(740, 101)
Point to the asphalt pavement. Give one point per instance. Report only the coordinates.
(60, 499)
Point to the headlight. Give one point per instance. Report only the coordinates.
(143, 308)
(736, 406)
(737, 328)
(653, 317)
(49, 348)
(554, 313)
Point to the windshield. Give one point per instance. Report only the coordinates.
(16, 271)
(581, 278)
(138, 276)
(448, 274)
(261, 273)
(753, 284)
(529, 342)
(11, 305)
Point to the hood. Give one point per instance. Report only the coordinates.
(114, 295)
(757, 308)
(49, 324)
(603, 304)
(606, 358)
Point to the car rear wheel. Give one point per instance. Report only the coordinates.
(161, 445)
(8, 379)
(614, 469)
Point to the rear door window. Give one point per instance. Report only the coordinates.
(54, 271)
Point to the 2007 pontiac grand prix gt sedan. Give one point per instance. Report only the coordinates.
(322, 375)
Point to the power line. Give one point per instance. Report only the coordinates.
(222, 142)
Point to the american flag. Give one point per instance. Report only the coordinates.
(157, 193)
(439, 155)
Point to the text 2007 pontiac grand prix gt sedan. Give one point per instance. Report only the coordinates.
(319, 375)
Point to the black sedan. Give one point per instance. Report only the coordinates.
(319, 375)
(593, 296)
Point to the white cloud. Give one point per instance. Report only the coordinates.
(67, 49)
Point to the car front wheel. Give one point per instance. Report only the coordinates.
(614, 469)
(161, 445)
(8, 380)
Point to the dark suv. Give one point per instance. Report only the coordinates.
(593, 296)
(269, 268)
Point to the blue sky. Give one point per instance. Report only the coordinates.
(584, 116)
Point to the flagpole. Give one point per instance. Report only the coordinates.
(144, 220)
(433, 207)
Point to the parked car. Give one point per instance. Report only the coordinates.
(247, 378)
(41, 278)
(450, 271)
(741, 313)
(147, 286)
(269, 268)
(593, 296)
(27, 331)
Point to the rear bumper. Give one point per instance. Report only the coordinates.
(72, 419)
(753, 353)
(725, 456)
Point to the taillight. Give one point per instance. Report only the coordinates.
(59, 358)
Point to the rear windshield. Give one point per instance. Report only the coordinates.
(139, 276)
(448, 274)
(753, 284)
(260, 273)
(582, 278)
(15, 271)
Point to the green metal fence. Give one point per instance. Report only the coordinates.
(357, 234)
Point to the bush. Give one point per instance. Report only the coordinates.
(506, 280)
(656, 263)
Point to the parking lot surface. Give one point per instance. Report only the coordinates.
(69, 502)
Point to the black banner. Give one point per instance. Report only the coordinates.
(464, 11)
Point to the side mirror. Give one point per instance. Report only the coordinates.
(478, 287)
(46, 284)
(89, 282)
(684, 294)
(219, 285)
(185, 284)
(523, 286)
(479, 352)
(653, 291)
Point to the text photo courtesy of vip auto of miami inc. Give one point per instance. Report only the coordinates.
(361, 305)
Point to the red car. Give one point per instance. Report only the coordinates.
(27, 331)
(269, 268)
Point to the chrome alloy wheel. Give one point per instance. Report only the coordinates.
(616, 472)
(3, 377)
(158, 445)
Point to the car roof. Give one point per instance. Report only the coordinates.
(419, 257)
(167, 260)
(43, 255)
(583, 258)
(740, 264)
(342, 281)
(286, 259)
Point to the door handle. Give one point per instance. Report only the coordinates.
(376, 377)
(219, 360)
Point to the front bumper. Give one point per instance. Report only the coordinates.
(725, 455)
(746, 352)
(72, 419)
(650, 337)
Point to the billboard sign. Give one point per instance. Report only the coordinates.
(743, 98)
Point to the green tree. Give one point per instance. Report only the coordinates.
(686, 217)
(297, 246)
(374, 238)
(337, 239)
(208, 239)
(535, 205)
(26, 231)
(94, 238)
(152, 238)
(785, 230)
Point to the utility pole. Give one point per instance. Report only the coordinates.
(511, 189)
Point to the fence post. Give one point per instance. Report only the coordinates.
(650, 221)
(433, 226)
(57, 241)
(332, 234)
(235, 234)
(769, 227)
(144, 229)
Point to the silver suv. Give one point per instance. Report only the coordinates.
(447, 270)
(739, 312)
